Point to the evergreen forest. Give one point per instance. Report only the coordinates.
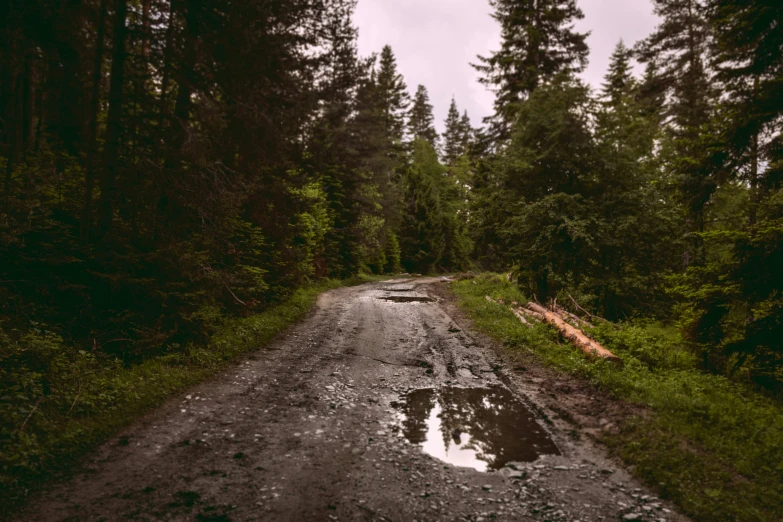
(171, 167)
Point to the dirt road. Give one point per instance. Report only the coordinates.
(377, 407)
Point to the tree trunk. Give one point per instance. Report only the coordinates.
(576, 336)
(182, 107)
(12, 129)
(111, 151)
(167, 53)
(93, 131)
(755, 189)
(28, 93)
(145, 20)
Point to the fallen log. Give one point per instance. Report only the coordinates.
(574, 335)
(519, 313)
(575, 319)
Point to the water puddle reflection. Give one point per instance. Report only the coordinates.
(480, 428)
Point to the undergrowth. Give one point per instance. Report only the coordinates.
(60, 401)
(711, 445)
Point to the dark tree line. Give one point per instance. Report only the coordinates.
(169, 163)
(656, 196)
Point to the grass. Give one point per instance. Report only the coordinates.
(712, 446)
(71, 419)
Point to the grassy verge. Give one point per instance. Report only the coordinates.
(712, 446)
(47, 427)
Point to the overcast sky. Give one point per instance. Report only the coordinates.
(436, 40)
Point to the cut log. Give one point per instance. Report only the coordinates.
(519, 313)
(575, 319)
(575, 336)
(521, 317)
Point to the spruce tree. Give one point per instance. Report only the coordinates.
(679, 47)
(652, 92)
(393, 95)
(422, 236)
(420, 118)
(538, 41)
(453, 137)
(749, 56)
(622, 119)
(466, 132)
(736, 313)
(619, 80)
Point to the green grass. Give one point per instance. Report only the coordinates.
(86, 401)
(713, 446)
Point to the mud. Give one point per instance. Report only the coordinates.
(310, 428)
(407, 299)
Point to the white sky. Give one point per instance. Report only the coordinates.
(436, 40)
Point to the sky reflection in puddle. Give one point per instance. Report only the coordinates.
(479, 428)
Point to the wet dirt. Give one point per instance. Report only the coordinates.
(407, 299)
(480, 428)
(308, 428)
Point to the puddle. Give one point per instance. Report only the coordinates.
(480, 428)
(407, 299)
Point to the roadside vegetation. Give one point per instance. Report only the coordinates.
(709, 444)
(176, 176)
(60, 401)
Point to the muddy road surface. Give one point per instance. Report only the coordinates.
(378, 406)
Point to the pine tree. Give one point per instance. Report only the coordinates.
(750, 61)
(652, 92)
(538, 42)
(678, 47)
(623, 121)
(393, 94)
(466, 132)
(737, 309)
(453, 137)
(420, 118)
(422, 240)
(618, 81)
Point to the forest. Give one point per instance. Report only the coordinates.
(170, 166)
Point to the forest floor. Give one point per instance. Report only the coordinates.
(383, 404)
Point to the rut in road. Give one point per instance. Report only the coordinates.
(377, 407)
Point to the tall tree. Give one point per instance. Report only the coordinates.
(97, 76)
(453, 137)
(678, 48)
(111, 153)
(538, 41)
(466, 131)
(421, 122)
(422, 233)
(619, 80)
(394, 95)
(736, 312)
